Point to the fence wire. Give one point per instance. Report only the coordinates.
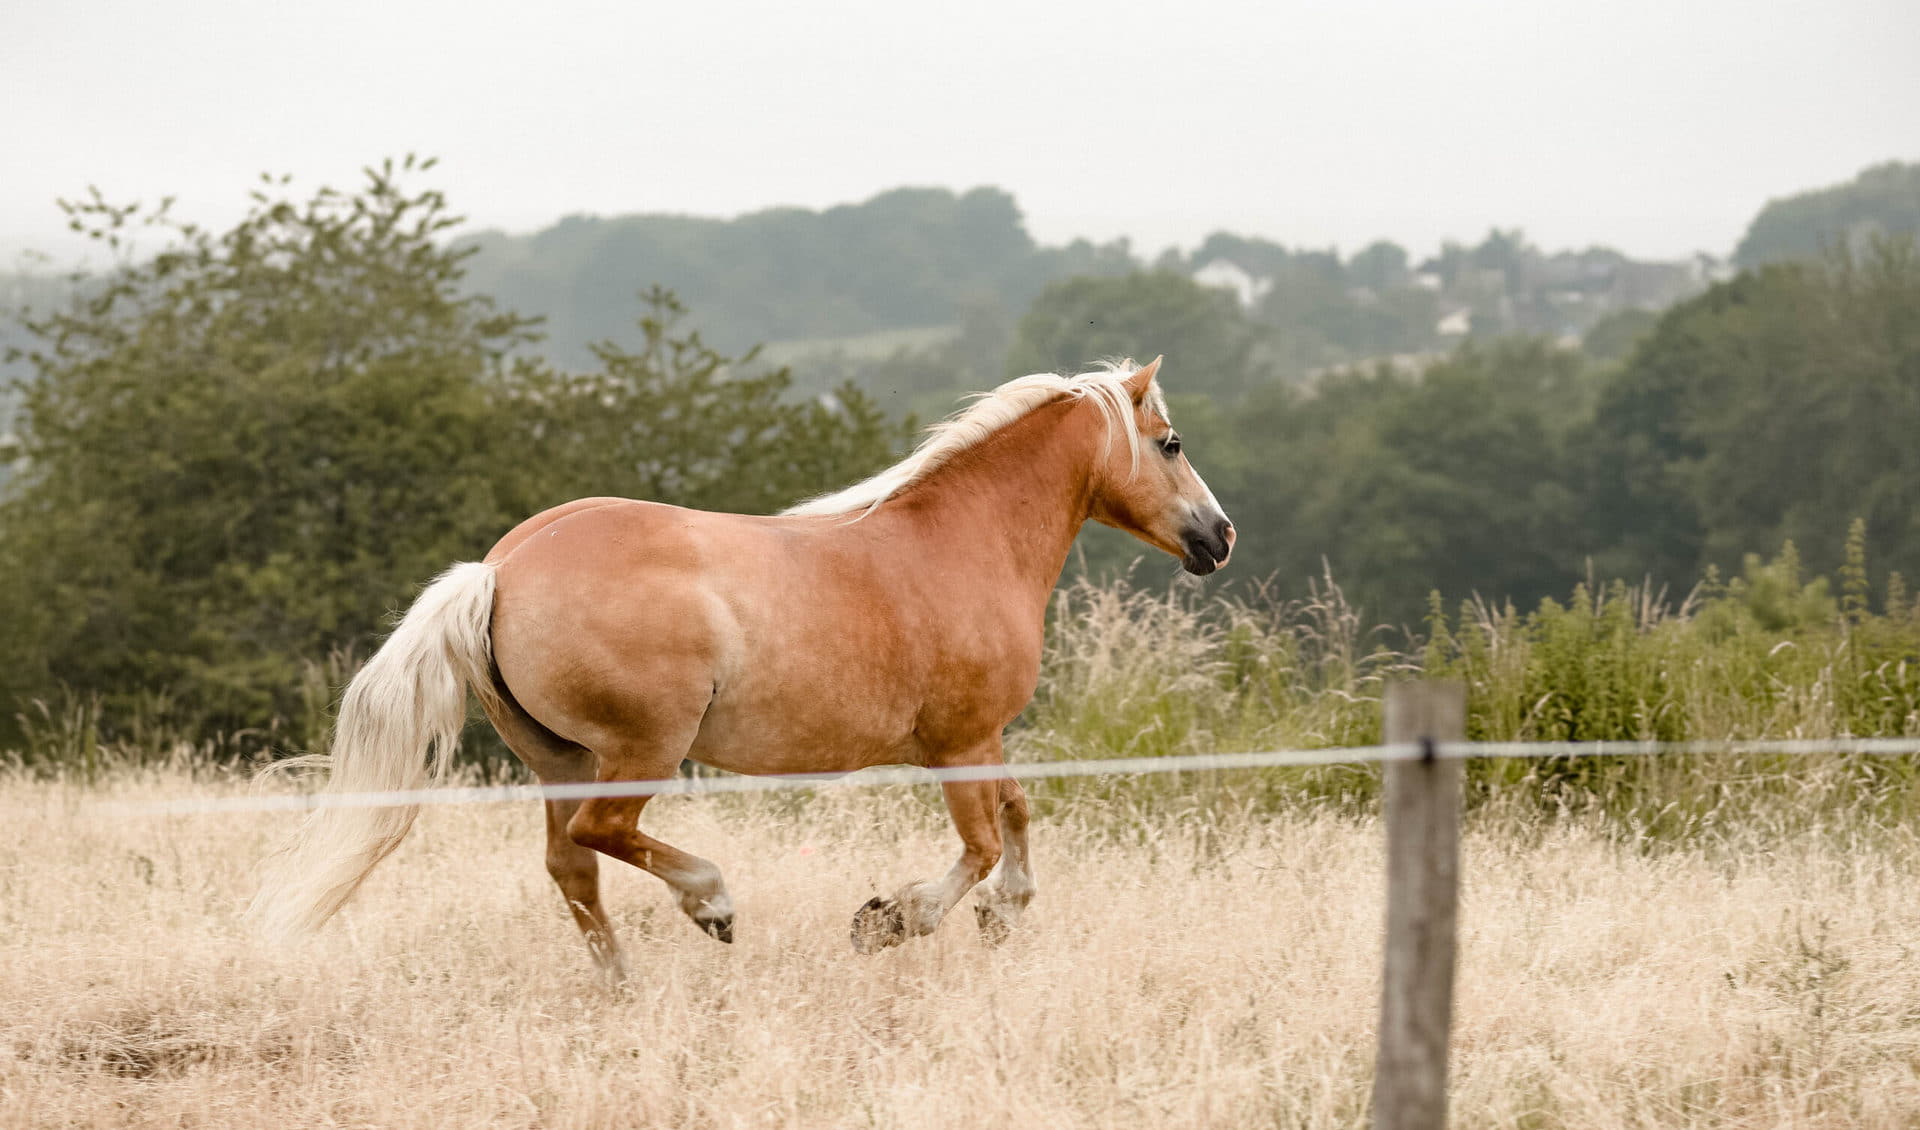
(1020, 771)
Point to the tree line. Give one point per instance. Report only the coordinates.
(964, 262)
(1774, 407)
(234, 457)
(907, 257)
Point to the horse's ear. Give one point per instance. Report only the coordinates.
(1142, 380)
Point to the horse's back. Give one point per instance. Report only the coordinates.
(777, 635)
(519, 534)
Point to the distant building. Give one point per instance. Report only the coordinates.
(1455, 323)
(1225, 274)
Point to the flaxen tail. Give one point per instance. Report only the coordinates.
(399, 724)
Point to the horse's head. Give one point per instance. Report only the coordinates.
(1153, 493)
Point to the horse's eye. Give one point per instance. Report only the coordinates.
(1170, 446)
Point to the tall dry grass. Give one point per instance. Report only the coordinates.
(1177, 972)
(1648, 943)
(1133, 671)
(1136, 672)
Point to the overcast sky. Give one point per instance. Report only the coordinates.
(1658, 128)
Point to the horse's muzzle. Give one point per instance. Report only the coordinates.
(1208, 547)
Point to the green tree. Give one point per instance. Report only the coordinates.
(1614, 336)
(237, 454)
(241, 450)
(1209, 345)
(677, 421)
(1881, 201)
(1777, 406)
(925, 379)
(1449, 479)
(1381, 265)
(1314, 321)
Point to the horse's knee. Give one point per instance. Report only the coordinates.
(604, 836)
(982, 857)
(568, 864)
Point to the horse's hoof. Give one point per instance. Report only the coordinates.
(877, 925)
(615, 982)
(612, 973)
(993, 928)
(720, 927)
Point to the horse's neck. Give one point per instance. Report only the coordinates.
(1017, 500)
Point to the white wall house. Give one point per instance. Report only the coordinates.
(1225, 274)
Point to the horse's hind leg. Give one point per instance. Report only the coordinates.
(575, 869)
(1010, 888)
(609, 825)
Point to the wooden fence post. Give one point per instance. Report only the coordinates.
(1421, 809)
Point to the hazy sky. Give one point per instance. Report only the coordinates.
(1658, 128)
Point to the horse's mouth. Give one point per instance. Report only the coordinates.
(1206, 552)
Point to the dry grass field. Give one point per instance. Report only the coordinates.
(1178, 970)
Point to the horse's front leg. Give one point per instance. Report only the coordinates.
(1006, 894)
(917, 908)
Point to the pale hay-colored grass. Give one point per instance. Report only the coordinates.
(1175, 973)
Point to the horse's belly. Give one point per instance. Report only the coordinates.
(824, 720)
(838, 735)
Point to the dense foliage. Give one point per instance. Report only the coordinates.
(1084, 320)
(1454, 477)
(1780, 405)
(1775, 406)
(235, 455)
(1767, 655)
(240, 453)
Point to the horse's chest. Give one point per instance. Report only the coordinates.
(976, 687)
(862, 705)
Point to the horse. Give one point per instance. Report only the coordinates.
(897, 621)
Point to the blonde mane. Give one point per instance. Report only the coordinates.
(990, 412)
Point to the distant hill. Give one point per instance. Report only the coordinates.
(1882, 200)
(915, 293)
(905, 258)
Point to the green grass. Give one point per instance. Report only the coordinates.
(1132, 671)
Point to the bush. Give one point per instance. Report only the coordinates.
(239, 453)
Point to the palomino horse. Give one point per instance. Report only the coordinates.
(897, 621)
